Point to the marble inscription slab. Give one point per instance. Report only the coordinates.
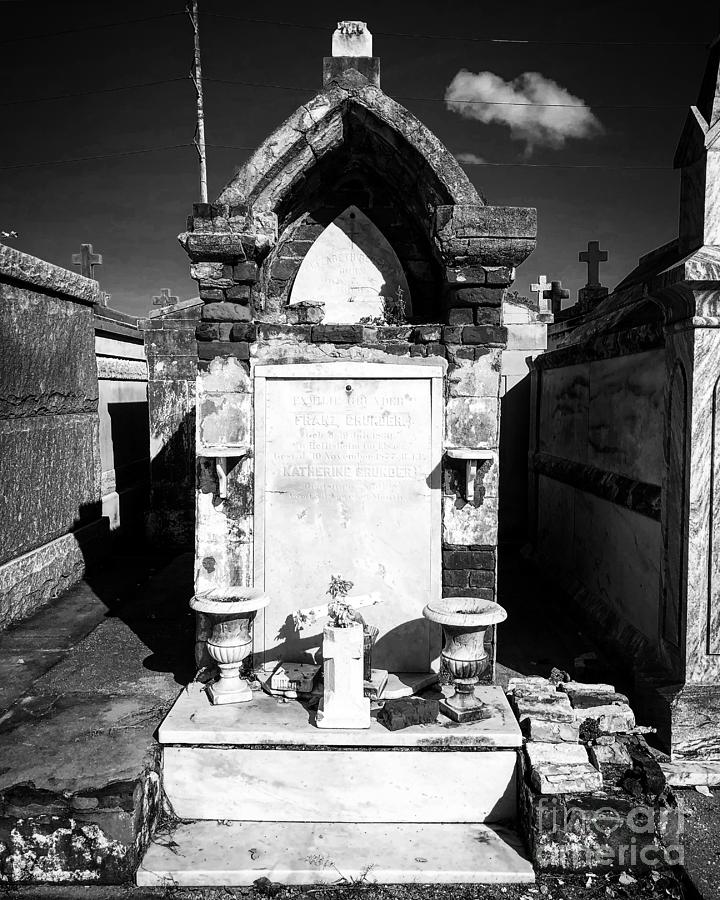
(347, 483)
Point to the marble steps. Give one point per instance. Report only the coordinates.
(343, 785)
(235, 854)
(267, 761)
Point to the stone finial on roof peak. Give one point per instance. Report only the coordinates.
(352, 38)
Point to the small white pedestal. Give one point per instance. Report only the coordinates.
(343, 704)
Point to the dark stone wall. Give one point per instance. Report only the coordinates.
(49, 448)
(171, 353)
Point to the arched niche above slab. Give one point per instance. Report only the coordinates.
(352, 269)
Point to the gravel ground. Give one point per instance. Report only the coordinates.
(655, 886)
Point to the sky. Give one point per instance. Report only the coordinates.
(132, 207)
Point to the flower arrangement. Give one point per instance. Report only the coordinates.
(340, 613)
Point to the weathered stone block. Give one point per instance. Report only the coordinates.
(550, 709)
(337, 334)
(245, 271)
(55, 484)
(475, 296)
(452, 334)
(213, 331)
(500, 275)
(47, 353)
(469, 559)
(426, 334)
(243, 332)
(476, 378)
(471, 422)
(485, 334)
(305, 313)
(481, 579)
(461, 317)
(284, 332)
(616, 718)
(224, 375)
(224, 419)
(434, 349)
(204, 271)
(212, 349)
(214, 246)
(225, 312)
(465, 523)
(551, 778)
(238, 293)
(466, 275)
(394, 332)
(537, 729)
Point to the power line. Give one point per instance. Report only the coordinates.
(521, 165)
(312, 91)
(75, 159)
(51, 34)
(111, 90)
(304, 90)
(471, 38)
(142, 150)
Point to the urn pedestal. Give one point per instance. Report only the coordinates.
(464, 622)
(343, 704)
(232, 612)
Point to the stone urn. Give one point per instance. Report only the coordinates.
(464, 622)
(343, 704)
(232, 612)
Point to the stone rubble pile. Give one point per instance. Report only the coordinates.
(588, 777)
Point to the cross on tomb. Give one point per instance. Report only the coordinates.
(87, 260)
(593, 256)
(557, 295)
(540, 288)
(165, 299)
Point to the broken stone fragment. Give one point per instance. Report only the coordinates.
(531, 681)
(612, 754)
(536, 729)
(579, 687)
(407, 711)
(558, 768)
(539, 752)
(587, 701)
(613, 719)
(563, 779)
(549, 709)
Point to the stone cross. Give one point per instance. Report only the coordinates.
(557, 295)
(87, 260)
(165, 299)
(540, 288)
(593, 256)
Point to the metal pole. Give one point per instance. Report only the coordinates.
(192, 9)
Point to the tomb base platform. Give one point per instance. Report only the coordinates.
(427, 804)
(235, 854)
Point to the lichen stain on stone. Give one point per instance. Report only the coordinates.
(208, 563)
(57, 850)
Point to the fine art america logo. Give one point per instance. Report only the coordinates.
(577, 838)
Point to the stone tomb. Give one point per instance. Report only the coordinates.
(348, 483)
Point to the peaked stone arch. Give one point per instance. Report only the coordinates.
(339, 116)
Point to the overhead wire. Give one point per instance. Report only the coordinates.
(472, 38)
(51, 34)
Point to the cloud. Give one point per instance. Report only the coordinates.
(510, 103)
(471, 159)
